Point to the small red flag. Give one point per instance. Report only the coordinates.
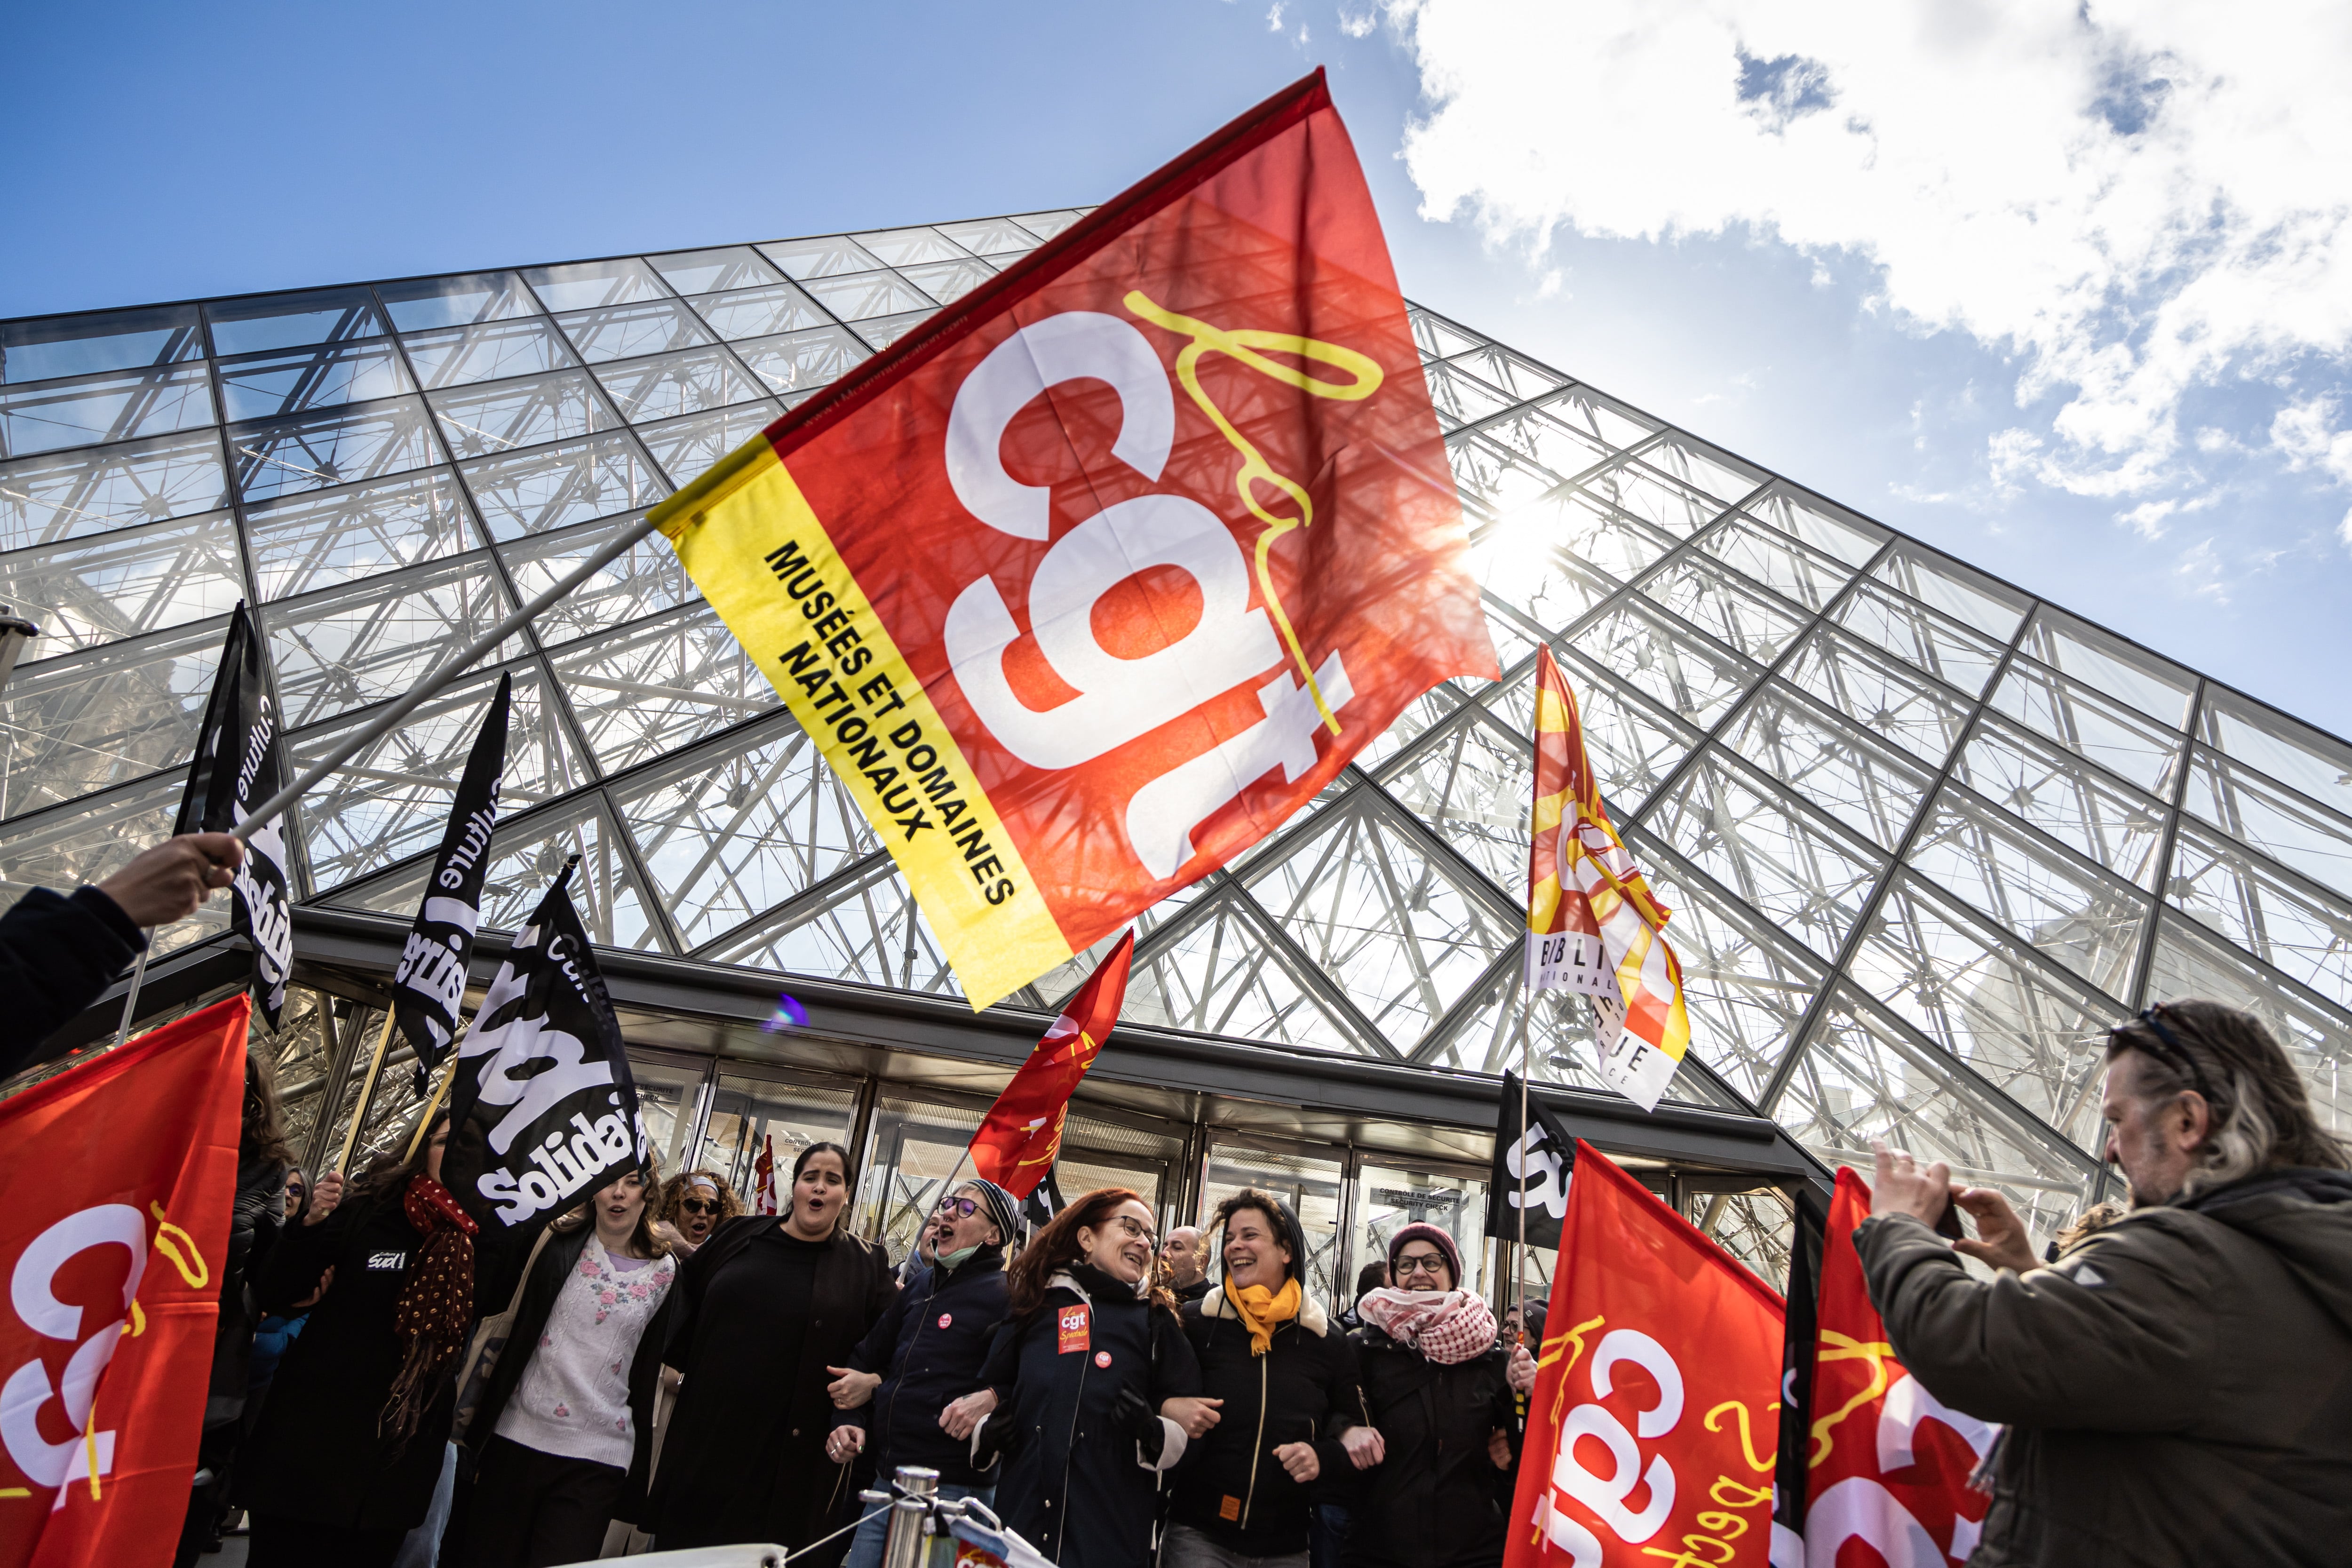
(763, 1177)
(112, 1262)
(1022, 1131)
(1651, 1430)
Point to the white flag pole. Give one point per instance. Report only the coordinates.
(131, 997)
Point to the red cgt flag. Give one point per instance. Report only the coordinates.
(1101, 573)
(110, 1254)
(1888, 1465)
(1022, 1131)
(1650, 1432)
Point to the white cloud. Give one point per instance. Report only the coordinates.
(1357, 27)
(2305, 433)
(2138, 199)
(1274, 17)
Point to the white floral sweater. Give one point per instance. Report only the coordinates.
(573, 1397)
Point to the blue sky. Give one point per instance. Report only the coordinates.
(2065, 291)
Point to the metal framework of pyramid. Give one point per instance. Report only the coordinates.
(1925, 835)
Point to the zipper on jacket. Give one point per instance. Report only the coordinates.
(1250, 1495)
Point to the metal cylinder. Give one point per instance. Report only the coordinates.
(903, 1547)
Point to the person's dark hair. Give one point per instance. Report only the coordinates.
(2259, 1114)
(674, 1191)
(1056, 1248)
(800, 1162)
(1371, 1277)
(387, 1176)
(1270, 1207)
(262, 1135)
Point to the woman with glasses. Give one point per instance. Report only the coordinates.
(693, 1204)
(1090, 1390)
(761, 1310)
(1438, 1389)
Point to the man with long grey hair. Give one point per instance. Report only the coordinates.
(2178, 1389)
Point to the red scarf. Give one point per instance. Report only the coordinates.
(436, 1301)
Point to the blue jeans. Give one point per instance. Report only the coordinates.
(866, 1546)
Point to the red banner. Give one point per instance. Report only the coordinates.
(117, 1218)
(1651, 1430)
(1017, 1141)
(1888, 1465)
(1099, 574)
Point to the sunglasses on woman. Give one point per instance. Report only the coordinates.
(962, 1208)
(700, 1205)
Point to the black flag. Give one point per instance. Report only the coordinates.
(430, 984)
(241, 761)
(1044, 1202)
(1797, 1347)
(543, 1109)
(1542, 1153)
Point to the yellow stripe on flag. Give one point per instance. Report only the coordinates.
(761, 555)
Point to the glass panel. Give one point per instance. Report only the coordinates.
(290, 321)
(266, 386)
(820, 258)
(883, 330)
(857, 295)
(2280, 823)
(422, 303)
(1461, 398)
(666, 1099)
(660, 686)
(1219, 976)
(2117, 826)
(648, 580)
(1309, 1184)
(1810, 880)
(677, 383)
(746, 1112)
(915, 1146)
(2031, 1033)
(2084, 723)
(1713, 473)
(685, 447)
(2295, 754)
(551, 487)
(92, 840)
(2084, 919)
(709, 271)
(1890, 702)
(948, 280)
(1863, 786)
(363, 443)
(393, 799)
(586, 284)
(126, 584)
(504, 414)
(1387, 1200)
(1631, 745)
(321, 538)
(1512, 563)
(1862, 1078)
(1684, 672)
(757, 312)
(1472, 788)
(1718, 604)
(867, 930)
(457, 355)
(1958, 658)
(2287, 924)
(1045, 225)
(1503, 477)
(1516, 377)
(802, 362)
(1829, 529)
(2189, 962)
(905, 247)
(1097, 1154)
(46, 347)
(1438, 338)
(78, 725)
(1966, 596)
(1637, 491)
(738, 827)
(986, 236)
(624, 331)
(46, 498)
(115, 407)
(2157, 687)
(376, 639)
(1757, 1228)
(1784, 566)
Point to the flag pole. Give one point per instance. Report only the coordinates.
(443, 675)
(367, 1092)
(131, 997)
(1526, 1058)
(440, 1093)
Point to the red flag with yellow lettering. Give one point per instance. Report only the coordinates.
(113, 1232)
(1022, 1131)
(1651, 1431)
(1093, 579)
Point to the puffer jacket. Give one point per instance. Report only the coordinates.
(2176, 1391)
(1437, 1500)
(930, 1346)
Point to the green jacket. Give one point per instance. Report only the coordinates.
(2177, 1391)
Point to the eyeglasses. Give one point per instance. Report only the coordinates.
(1429, 1263)
(962, 1208)
(700, 1205)
(1136, 1228)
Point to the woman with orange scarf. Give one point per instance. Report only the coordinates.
(1281, 1387)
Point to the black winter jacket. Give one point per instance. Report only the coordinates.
(930, 1347)
(1071, 1481)
(256, 1215)
(1303, 1390)
(1436, 1501)
(57, 953)
(2176, 1391)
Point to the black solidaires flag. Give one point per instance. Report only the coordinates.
(1540, 1153)
(241, 761)
(542, 1109)
(430, 984)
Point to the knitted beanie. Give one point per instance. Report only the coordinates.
(1436, 1238)
(998, 1204)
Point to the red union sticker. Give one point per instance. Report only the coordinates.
(1102, 1358)
(1074, 1338)
(946, 1318)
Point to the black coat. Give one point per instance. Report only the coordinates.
(256, 1215)
(1436, 1501)
(315, 1453)
(1231, 1488)
(1071, 1481)
(56, 954)
(930, 1346)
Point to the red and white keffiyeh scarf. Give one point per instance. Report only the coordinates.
(1446, 1326)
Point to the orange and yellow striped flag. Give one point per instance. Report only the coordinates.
(1593, 925)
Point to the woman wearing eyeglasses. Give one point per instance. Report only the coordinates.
(693, 1204)
(1090, 1388)
(1439, 1391)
